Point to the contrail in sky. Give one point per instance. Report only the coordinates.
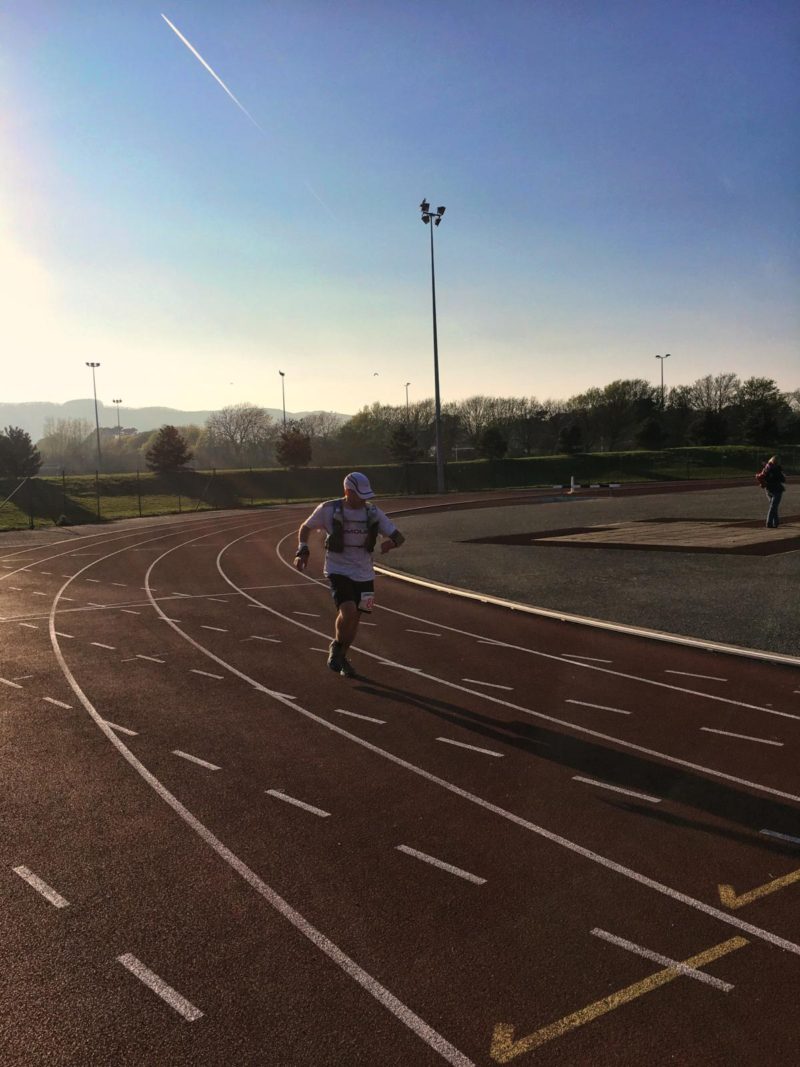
(194, 52)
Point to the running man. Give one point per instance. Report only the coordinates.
(352, 526)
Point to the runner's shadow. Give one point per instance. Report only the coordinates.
(611, 765)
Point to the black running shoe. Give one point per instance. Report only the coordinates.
(347, 670)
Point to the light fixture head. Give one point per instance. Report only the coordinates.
(424, 206)
(281, 374)
(426, 219)
(441, 210)
(437, 220)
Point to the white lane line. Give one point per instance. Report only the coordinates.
(473, 748)
(310, 614)
(743, 737)
(600, 707)
(122, 584)
(45, 572)
(217, 600)
(166, 618)
(441, 864)
(219, 629)
(180, 1004)
(688, 674)
(195, 759)
(616, 789)
(206, 674)
(355, 715)
(21, 677)
(365, 623)
(128, 611)
(122, 729)
(426, 633)
(41, 887)
(173, 593)
(69, 598)
(29, 625)
(781, 837)
(60, 634)
(100, 644)
(16, 588)
(298, 803)
(490, 685)
(37, 593)
(256, 637)
(58, 703)
(152, 659)
(665, 961)
(94, 604)
(590, 659)
(95, 580)
(7, 681)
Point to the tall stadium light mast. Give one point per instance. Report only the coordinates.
(435, 217)
(661, 361)
(283, 396)
(119, 429)
(96, 417)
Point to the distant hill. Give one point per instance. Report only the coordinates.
(31, 416)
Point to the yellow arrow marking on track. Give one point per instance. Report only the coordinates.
(729, 898)
(504, 1048)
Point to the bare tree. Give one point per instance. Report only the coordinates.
(241, 433)
(714, 393)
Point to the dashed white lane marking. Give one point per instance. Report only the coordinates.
(140, 655)
(166, 618)
(298, 803)
(665, 961)
(18, 589)
(195, 759)
(490, 685)
(58, 703)
(173, 593)
(688, 674)
(41, 887)
(219, 629)
(180, 1004)
(69, 598)
(206, 674)
(128, 611)
(45, 572)
(37, 593)
(781, 837)
(425, 633)
(590, 659)
(217, 600)
(600, 707)
(441, 864)
(95, 580)
(70, 636)
(121, 729)
(743, 737)
(94, 604)
(21, 677)
(309, 614)
(355, 715)
(121, 584)
(30, 625)
(616, 789)
(365, 623)
(473, 748)
(257, 637)
(100, 644)
(7, 681)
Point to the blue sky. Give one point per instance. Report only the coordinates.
(621, 180)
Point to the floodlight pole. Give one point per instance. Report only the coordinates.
(96, 418)
(661, 361)
(119, 430)
(407, 385)
(435, 217)
(283, 396)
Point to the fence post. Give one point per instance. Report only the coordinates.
(30, 504)
(139, 492)
(63, 492)
(97, 490)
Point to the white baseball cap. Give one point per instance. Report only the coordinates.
(359, 483)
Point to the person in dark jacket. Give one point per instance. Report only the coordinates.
(773, 481)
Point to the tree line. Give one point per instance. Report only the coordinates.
(626, 414)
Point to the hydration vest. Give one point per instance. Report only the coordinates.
(334, 542)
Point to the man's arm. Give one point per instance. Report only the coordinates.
(303, 552)
(394, 540)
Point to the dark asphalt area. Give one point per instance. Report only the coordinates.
(749, 601)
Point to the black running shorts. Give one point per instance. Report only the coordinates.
(362, 594)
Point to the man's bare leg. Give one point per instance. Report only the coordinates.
(347, 621)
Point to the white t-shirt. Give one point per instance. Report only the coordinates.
(354, 562)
